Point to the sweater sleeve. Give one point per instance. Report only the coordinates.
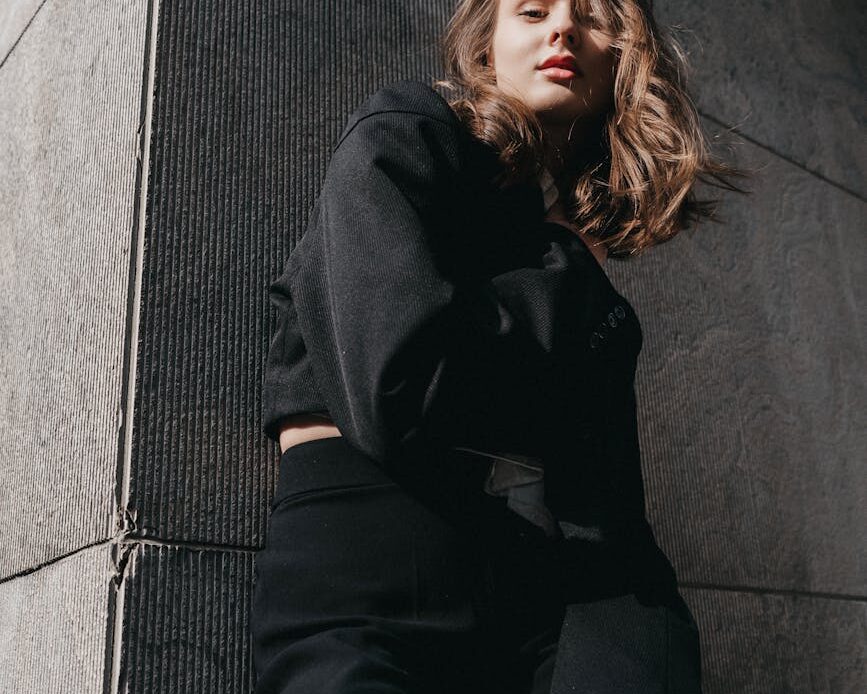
(409, 351)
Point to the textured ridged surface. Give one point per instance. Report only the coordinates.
(751, 387)
(780, 644)
(789, 74)
(185, 622)
(15, 15)
(52, 626)
(70, 94)
(245, 115)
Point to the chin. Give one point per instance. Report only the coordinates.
(556, 97)
(559, 111)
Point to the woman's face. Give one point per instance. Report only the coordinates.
(529, 32)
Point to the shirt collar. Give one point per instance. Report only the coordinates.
(549, 188)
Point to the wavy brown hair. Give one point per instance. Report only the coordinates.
(635, 188)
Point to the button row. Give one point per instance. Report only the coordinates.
(601, 333)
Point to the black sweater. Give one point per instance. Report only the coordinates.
(425, 309)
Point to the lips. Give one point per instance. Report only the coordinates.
(561, 62)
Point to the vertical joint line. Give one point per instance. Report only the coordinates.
(125, 518)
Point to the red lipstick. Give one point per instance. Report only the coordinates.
(563, 66)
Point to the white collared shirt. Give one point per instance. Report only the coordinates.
(549, 188)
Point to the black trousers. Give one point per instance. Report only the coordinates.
(370, 583)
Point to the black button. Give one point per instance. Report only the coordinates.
(612, 321)
(619, 312)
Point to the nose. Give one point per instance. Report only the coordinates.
(567, 29)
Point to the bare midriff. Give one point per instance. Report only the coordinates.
(299, 428)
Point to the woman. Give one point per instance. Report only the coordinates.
(460, 505)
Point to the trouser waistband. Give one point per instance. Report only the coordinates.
(448, 480)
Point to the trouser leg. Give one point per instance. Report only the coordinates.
(541, 655)
(358, 591)
(622, 645)
(362, 588)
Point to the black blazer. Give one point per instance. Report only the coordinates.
(424, 309)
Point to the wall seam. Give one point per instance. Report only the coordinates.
(183, 544)
(125, 520)
(784, 157)
(23, 31)
(790, 592)
(54, 560)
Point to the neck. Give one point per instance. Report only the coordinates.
(566, 155)
(570, 147)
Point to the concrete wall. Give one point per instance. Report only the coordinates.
(751, 381)
(71, 80)
(159, 160)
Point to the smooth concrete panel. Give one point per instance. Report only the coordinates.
(14, 17)
(53, 626)
(750, 386)
(70, 96)
(756, 643)
(789, 74)
(185, 622)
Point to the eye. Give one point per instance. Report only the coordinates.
(531, 13)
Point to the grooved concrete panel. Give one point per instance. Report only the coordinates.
(185, 625)
(790, 74)
(14, 17)
(780, 644)
(751, 391)
(69, 113)
(234, 168)
(53, 625)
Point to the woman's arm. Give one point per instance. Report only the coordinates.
(407, 354)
